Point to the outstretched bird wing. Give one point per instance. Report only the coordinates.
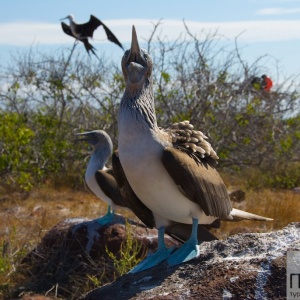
(87, 29)
(111, 37)
(67, 30)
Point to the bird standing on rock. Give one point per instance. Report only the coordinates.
(100, 179)
(172, 171)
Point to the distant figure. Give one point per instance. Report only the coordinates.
(266, 84)
(256, 83)
(81, 32)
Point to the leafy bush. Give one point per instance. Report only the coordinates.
(48, 97)
(16, 153)
(281, 177)
(34, 148)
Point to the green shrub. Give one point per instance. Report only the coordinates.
(281, 177)
(131, 253)
(16, 154)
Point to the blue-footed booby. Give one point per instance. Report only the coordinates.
(172, 171)
(102, 182)
(98, 177)
(178, 231)
(82, 32)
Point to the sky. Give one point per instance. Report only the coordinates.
(269, 27)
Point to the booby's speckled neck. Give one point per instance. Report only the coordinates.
(138, 102)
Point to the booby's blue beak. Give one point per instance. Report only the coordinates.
(135, 62)
(134, 54)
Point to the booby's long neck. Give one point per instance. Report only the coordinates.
(138, 106)
(97, 162)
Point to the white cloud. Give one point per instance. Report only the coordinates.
(278, 11)
(252, 31)
(26, 33)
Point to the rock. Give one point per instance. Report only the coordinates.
(35, 297)
(76, 248)
(245, 266)
(240, 229)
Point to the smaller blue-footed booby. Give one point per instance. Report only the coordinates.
(173, 170)
(98, 177)
(82, 32)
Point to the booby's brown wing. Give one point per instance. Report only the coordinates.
(130, 198)
(199, 181)
(180, 232)
(109, 186)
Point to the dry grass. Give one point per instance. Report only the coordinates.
(282, 206)
(25, 222)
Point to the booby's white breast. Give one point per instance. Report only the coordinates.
(91, 181)
(94, 186)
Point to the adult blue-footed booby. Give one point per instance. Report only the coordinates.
(82, 32)
(172, 171)
(100, 179)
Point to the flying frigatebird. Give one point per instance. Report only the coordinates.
(82, 32)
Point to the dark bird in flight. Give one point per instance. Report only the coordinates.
(82, 32)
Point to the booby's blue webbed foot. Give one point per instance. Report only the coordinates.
(106, 218)
(152, 260)
(156, 258)
(189, 250)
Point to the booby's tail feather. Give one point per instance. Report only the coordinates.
(238, 215)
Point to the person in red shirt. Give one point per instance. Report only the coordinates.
(267, 83)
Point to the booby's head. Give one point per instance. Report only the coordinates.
(98, 138)
(70, 17)
(136, 63)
